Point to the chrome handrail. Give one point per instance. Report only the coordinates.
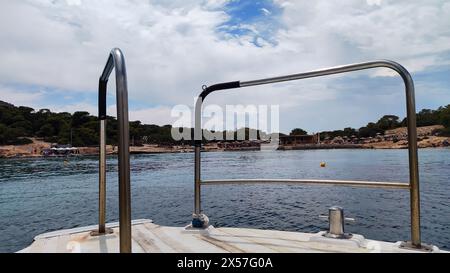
(348, 183)
(413, 184)
(117, 61)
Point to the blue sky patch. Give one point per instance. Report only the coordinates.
(257, 19)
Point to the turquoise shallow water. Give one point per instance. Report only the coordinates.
(40, 195)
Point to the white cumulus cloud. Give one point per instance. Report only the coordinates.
(172, 48)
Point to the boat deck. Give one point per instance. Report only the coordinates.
(151, 238)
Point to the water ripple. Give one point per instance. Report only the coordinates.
(41, 195)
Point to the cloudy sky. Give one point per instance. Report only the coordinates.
(52, 53)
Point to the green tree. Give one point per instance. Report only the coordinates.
(298, 131)
(26, 112)
(427, 117)
(79, 118)
(3, 134)
(349, 132)
(24, 126)
(444, 119)
(444, 116)
(46, 130)
(58, 123)
(387, 122)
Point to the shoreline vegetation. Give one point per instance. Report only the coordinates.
(425, 140)
(25, 132)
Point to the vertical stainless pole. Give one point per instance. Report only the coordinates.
(413, 160)
(197, 205)
(102, 179)
(123, 156)
(197, 142)
(116, 61)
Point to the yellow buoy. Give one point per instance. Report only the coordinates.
(322, 164)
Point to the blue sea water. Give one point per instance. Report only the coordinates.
(44, 194)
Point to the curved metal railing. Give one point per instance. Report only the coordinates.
(117, 61)
(413, 184)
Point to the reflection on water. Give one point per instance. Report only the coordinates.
(40, 195)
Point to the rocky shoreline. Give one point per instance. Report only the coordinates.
(35, 149)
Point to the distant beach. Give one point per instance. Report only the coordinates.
(392, 139)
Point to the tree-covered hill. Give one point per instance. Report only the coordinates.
(425, 117)
(18, 124)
